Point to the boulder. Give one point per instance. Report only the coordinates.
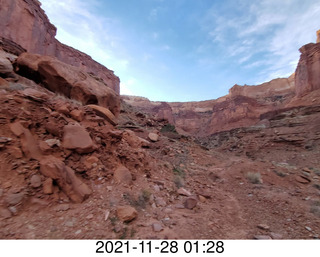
(48, 186)
(75, 137)
(5, 67)
(122, 175)
(153, 137)
(14, 198)
(29, 145)
(126, 213)
(65, 178)
(77, 115)
(68, 80)
(183, 191)
(190, 203)
(157, 227)
(133, 140)
(35, 181)
(104, 113)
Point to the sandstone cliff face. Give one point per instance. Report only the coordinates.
(242, 107)
(308, 71)
(37, 35)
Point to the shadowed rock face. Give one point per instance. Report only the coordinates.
(68, 80)
(37, 35)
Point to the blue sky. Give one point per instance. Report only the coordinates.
(188, 50)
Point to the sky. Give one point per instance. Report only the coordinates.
(188, 50)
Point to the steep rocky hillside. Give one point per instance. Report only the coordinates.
(37, 35)
(79, 162)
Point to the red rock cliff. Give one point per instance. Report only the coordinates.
(308, 70)
(25, 23)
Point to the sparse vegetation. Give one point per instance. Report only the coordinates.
(280, 173)
(179, 172)
(254, 178)
(168, 128)
(142, 200)
(315, 208)
(179, 176)
(70, 100)
(124, 233)
(113, 220)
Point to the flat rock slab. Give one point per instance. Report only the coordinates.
(75, 137)
(104, 113)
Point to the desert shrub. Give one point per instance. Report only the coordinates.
(179, 172)
(168, 128)
(315, 208)
(141, 202)
(254, 178)
(179, 176)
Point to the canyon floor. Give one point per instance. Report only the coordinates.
(179, 189)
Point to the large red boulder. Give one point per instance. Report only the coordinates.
(75, 137)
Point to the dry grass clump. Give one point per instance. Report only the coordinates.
(254, 177)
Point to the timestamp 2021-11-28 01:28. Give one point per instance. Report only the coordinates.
(163, 246)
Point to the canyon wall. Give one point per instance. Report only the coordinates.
(242, 107)
(308, 70)
(26, 24)
(245, 106)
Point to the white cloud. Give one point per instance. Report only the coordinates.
(126, 87)
(79, 27)
(276, 29)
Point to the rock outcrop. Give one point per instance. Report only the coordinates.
(37, 35)
(68, 80)
(308, 70)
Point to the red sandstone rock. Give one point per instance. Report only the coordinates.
(37, 35)
(104, 113)
(307, 73)
(77, 115)
(122, 175)
(190, 203)
(242, 107)
(48, 186)
(68, 80)
(71, 185)
(153, 137)
(126, 213)
(76, 137)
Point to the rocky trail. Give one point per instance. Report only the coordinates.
(189, 191)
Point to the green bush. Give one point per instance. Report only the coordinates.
(168, 128)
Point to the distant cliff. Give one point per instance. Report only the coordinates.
(242, 107)
(26, 24)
